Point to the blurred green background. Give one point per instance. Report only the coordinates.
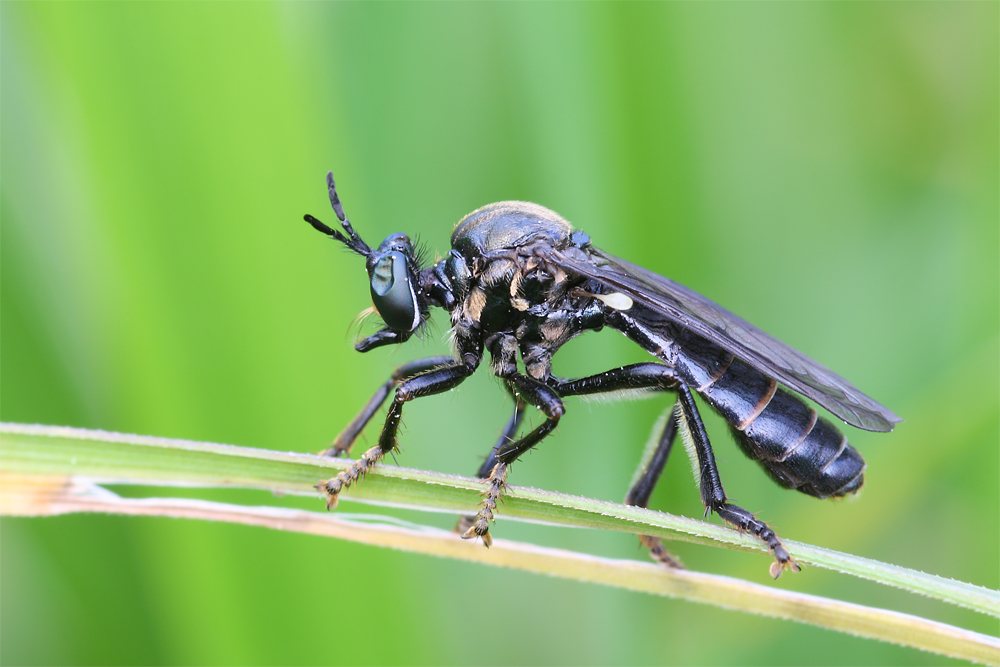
(828, 171)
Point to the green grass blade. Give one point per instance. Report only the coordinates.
(113, 458)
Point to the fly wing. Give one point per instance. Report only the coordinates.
(765, 353)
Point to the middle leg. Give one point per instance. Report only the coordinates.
(545, 399)
(466, 522)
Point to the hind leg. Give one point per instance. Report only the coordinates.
(658, 377)
(644, 376)
(714, 496)
(648, 376)
(646, 478)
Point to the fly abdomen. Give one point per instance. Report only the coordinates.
(798, 449)
(801, 450)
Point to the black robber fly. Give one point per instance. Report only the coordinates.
(520, 281)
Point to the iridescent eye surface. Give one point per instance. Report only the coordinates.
(393, 293)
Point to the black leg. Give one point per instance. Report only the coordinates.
(342, 443)
(646, 479)
(509, 431)
(650, 376)
(466, 522)
(433, 381)
(382, 337)
(658, 377)
(714, 496)
(545, 399)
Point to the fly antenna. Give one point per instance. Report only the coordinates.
(358, 245)
(352, 240)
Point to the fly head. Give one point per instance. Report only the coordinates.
(393, 274)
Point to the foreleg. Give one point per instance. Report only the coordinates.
(342, 443)
(433, 381)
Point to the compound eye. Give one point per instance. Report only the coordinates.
(393, 293)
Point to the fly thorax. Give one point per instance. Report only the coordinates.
(490, 300)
